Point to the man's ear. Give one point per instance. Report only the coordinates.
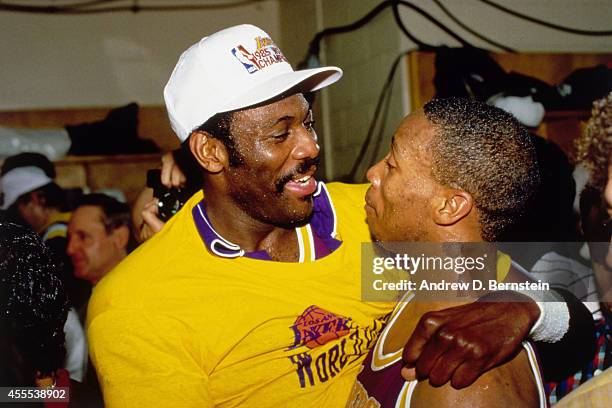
(451, 206)
(209, 151)
(121, 237)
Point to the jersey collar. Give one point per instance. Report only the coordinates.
(323, 225)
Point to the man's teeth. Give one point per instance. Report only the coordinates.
(303, 179)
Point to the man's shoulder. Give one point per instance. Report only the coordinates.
(152, 263)
(347, 198)
(348, 201)
(345, 191)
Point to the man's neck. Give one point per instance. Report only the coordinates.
(235, 225)
(460, 232)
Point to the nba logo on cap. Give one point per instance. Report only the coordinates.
(266, 54)
(245, 58)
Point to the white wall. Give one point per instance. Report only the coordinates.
(366, 56)
(105, 59)
(517, 33)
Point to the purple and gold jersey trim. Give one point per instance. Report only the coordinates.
(380, 360)
(316, 240)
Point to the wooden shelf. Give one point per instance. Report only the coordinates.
(561, 127)
(125, 172)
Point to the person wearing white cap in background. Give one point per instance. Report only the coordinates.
(19, 188)
(31, 197)
(250, 295)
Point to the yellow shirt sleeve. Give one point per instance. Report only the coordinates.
(146, 362)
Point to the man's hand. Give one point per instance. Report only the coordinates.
(151, 224)
(171, 173)
(145, 215)
(461, 343)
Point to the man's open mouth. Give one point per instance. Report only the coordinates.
(300, 179)
(302, 185)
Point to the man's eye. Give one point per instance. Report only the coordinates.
(280, 137)
(388, 164)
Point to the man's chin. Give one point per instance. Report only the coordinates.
(80, 275)
(299, 216)
(79, 272)
(297, 221)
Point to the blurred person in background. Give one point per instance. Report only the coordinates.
(32, 198)
(595, 152)
(33, 310)
(592, 385)
(99, 236)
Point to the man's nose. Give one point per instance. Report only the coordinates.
(306, 146)
(373, 174)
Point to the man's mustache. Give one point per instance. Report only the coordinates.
(300, 169)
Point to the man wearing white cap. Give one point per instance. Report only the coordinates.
(30, 196)
(19, 187)
(251, 294)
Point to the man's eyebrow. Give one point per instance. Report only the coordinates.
(273, 123)
(279, 120)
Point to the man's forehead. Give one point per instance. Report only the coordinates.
(291, 106)
(414, 134)
(89, 213)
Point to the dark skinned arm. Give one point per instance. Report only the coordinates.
(473, 338)
(460, 343)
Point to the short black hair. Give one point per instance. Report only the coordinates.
(115, 213)
(33, 303)
(488, 153)
(220, 127)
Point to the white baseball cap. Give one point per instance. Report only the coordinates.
(21, 180)
(233, 69)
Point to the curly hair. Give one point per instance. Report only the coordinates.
(33, 303)
(488, 153)
(594, 146)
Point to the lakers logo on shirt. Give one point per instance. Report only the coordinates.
(316, 326)
(319, 365)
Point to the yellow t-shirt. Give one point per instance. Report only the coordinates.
(174, 325)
